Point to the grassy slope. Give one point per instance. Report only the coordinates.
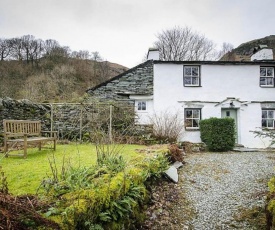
(25, 175)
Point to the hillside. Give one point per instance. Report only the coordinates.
(54, 79)
(244, 51)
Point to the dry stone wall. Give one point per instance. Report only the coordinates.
(71, 121)
(23, 110)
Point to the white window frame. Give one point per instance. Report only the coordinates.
(265, 75)
(142, 106)
(268, 115)
(188, 120)
(191, 75)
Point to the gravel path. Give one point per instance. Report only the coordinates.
(219, 185)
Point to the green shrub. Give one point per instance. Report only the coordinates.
(218, 133)
(270, 209)
(108, 195)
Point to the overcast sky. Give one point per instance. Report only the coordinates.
(123, 30)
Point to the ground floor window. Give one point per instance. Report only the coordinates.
(192, 118)
(141, 106)
(268, 118)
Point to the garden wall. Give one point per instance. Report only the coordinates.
(72, 120)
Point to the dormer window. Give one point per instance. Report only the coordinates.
(191, 75)
(266, 76)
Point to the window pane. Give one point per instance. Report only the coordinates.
(262, 72)
(269, 71)
(270, 123)
(143, 105)
(195, 71)
(264, 114)
(262, 81)
(188, 113)
(270, 114)
(187, 71)
(196, 114)
(269, 80)
(195, 123)
(188, 123)
(264, 123)
(195, 81)
(187, 80)
(139, 106)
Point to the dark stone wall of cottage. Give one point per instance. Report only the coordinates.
(138, 80)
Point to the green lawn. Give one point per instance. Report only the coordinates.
(25, 175)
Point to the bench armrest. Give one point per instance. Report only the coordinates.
(50, 132)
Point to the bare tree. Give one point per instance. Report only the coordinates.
(49, 46)
(81, 54)
(182, 43)
(17, 49)
(5, 48)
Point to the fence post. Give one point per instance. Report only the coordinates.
(51, 119)
(81, 122)
(110, 124)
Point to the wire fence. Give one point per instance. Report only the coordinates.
(79, 121)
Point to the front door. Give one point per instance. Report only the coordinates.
(232, 113)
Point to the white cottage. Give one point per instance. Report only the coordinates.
(198, 90)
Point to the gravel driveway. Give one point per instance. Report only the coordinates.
(218, 185)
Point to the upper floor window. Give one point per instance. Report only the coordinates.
(192, 118)
(267, 76)
(191, 75)
(268, 119)
(141, 106)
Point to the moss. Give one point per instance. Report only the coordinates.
(271, 185)
(119, 186)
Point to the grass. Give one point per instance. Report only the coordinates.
(25, 175)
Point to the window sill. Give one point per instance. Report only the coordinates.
(267, 86)
(192, 129)
(142, 111)
(192, 86)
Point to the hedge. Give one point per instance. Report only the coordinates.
(218, 133)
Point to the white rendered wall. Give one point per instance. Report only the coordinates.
(143, 116)
(218, 82)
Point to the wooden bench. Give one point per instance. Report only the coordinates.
(23, 132)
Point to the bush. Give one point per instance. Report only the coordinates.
(174, 153)
(167, 127)
(270, 207)
(218, 133)
(108, 195)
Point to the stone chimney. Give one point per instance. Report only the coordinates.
(153, 54)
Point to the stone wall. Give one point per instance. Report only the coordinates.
(138, 80)
(24, 110)
(72, 121)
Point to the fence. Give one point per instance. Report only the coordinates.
(78, 120)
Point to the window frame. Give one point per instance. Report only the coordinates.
(267, 118)
(189, 128)
(266, 77)
(192, 76)
(140, 109)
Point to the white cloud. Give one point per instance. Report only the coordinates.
(123, 30)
